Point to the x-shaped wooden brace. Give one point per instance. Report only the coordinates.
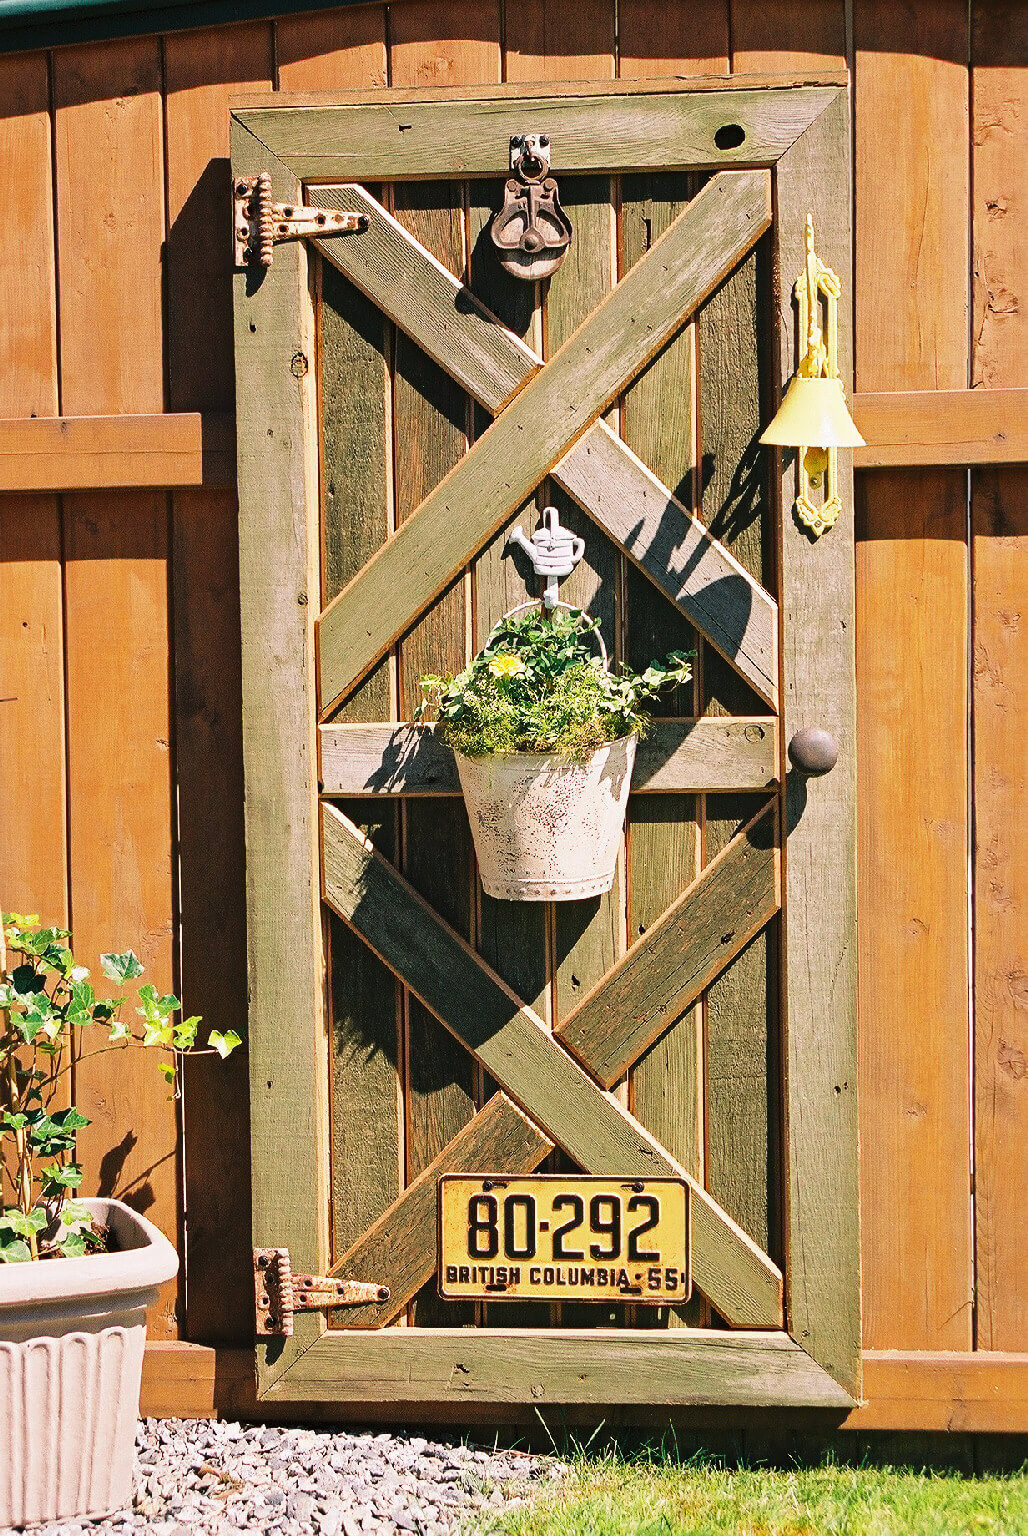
(548, 423)
(651, 986)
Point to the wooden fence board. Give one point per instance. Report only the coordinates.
(33, 850)
(912, 558)
(332, 50)
(942, 426)
(110, 203)
(201, 72)
(999, 525)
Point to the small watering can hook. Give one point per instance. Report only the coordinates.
(554, 552)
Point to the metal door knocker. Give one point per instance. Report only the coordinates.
(531, 232)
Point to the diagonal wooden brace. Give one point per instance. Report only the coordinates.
(512, 1043)
(543, 421)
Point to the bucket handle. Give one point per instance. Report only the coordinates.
(520, 608)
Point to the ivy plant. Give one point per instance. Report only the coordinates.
(47, 1005)
(539, 686)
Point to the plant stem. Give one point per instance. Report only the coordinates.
(23, 1189)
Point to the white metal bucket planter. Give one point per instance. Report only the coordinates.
(546, 829)
(72, 1333)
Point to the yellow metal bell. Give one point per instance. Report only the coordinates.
(813, 417)
(814, 411)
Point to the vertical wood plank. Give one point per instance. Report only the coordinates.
(588, 935)
(439, 42)
(435, 43)
(202, 71)
(821, 1184)
(354, 341)
(781, 35)
(278, 604)
(33, 854)
(513, 936)
(672, 39)
(658, 421)
(912, 582)
(110, 203)
(345, 49)
(549, 40)
(999, 522)
(739, 1033)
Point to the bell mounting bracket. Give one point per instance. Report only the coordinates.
(279, 1294)
(259, 224)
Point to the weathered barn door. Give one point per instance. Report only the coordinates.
(402, 403)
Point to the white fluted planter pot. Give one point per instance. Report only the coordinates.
(72, 1333)
(546, 829)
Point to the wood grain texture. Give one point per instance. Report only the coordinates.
(512, 1044)
(469, 1366)
(942, 426)
(422, 295)
(999, 528)
(740, 1025)
(547, 40)
(441, 44)
(329, 50)
(400, 1248)
(658, 421)
(978, 1393)
(28, 335)
(911, 585)
(679, 955)
(912, 590)
(822, 1230)
(588, 936)
(453, 136)
(911, 201)
(537, 428)
(33, 850)
(674, 756)
(1000, 703)
(783, 35)
(622, 494)
(277, 552)
(655, 41)
(201, 71)
(67, 453)
(356, 517)
(110, 202)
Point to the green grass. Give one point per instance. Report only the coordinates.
(654, 1494)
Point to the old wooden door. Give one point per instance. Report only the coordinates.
(402, 403)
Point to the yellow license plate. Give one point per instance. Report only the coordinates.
(559, 1238)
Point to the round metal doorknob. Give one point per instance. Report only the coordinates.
(813, 750)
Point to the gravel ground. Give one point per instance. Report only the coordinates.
(200, 1476)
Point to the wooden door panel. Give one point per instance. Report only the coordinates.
(454, 402)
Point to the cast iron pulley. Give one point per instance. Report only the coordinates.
(531, 232)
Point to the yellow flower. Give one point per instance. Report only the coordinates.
(506, 666)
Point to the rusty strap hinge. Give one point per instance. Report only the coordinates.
(259, 224)
(279, 1293)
